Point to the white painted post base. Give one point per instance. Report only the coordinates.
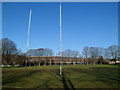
(67, 63)
(74, 63)
(45, 64)
(39, 63)
(60, 70)
(87, 63)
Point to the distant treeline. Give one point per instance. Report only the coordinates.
(12, 56)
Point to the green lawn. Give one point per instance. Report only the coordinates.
(74, 76)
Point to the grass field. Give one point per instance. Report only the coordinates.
(74, 76)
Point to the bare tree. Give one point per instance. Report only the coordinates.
(8, 47)
(100, 60)
(67, 53)
(106, 54)
(48, 52)
(94, 53)
(118, 52)
(40, 52)
(113, 51)
(9, 50)
(86, 53)
(72, 54)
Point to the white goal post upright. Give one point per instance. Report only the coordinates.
(60, 39)
(28, 37)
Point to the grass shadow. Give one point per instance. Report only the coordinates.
(16, 77)
(65, 80)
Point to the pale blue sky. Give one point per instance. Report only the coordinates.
(83, 24)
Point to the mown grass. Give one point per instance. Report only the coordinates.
(74, 76)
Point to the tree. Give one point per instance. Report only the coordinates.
(100, 60)
(9, 49)
(48, 52)
(40, 52)
(94, 53)
(85, 52)
(118, 52)
(106, 53)
(113, 51)
(70, 53)
(19, 60)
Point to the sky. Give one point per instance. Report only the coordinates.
(83, 24)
